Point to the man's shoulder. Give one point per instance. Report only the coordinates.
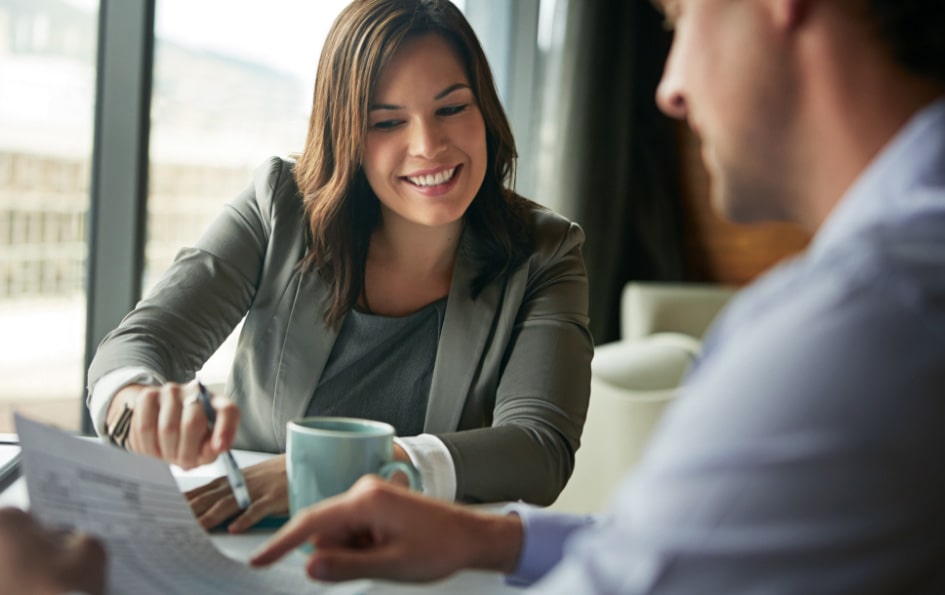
(900, 259)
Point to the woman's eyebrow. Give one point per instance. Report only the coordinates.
(451, 89)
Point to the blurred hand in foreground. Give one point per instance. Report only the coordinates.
(380, 530)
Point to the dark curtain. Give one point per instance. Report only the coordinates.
(621, 159)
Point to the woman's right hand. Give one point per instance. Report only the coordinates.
(169, 423)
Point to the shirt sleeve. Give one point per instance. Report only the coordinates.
(545, 534)
(108, 385)
(432, 459)
(793, 462)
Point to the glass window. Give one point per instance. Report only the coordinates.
(47, 69)
(225, 97)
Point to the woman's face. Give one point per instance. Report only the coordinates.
(425, 153)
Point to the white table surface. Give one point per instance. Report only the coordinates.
(240, 547)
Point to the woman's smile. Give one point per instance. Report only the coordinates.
(434, 182)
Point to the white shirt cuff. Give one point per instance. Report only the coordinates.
(104, 391)
(432, 459)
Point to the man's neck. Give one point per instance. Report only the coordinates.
(854, 106)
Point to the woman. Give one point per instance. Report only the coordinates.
(390, 273)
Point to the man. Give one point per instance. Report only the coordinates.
(38, 561)
(803, 454)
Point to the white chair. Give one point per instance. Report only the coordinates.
(633, 380)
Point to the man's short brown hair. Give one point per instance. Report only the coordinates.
(915, 32)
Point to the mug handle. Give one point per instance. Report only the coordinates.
(413, 476)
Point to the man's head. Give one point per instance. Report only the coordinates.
(914, 31)
(792, 98)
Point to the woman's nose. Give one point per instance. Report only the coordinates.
(427, 139)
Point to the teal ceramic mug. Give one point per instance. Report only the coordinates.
(326, 455)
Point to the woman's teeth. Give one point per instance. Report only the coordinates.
(433, 180)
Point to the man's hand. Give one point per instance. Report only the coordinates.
(169, 423)
(38, 561)
(379, 530)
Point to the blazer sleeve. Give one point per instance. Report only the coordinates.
(203, 295)
(542, 393)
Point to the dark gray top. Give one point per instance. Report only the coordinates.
(380, 368)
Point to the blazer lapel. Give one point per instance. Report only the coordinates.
(466, 330)
(308, 344)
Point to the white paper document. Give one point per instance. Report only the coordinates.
(133, 504)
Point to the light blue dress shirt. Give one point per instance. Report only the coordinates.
(804, 454)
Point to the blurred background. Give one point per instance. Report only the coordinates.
(125, 125)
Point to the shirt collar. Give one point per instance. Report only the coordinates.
(913, 156)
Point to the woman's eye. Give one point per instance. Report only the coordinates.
(452, 110)
(385, 124)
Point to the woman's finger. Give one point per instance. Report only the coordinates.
(208, 487)
(203, 498)
(144, 423)
(221, 510)
(168, 422)
(195, 431)
(252, 515)
(226, 424)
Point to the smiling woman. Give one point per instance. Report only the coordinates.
(390, 273)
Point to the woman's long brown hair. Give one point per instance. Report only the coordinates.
(341, 208)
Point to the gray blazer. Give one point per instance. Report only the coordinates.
(512, 373)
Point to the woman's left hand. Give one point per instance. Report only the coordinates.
(214, 502)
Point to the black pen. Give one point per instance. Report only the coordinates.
(233, 474)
